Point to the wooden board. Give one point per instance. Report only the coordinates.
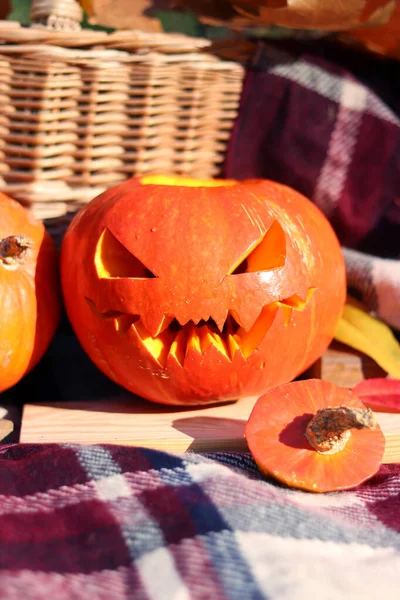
(129, 421)
(202, 430)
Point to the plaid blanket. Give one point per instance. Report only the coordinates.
(113, 523)
(316, 125)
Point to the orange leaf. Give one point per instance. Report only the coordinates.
(122, 14)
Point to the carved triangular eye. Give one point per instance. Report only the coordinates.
(114, 260)
(269, 252)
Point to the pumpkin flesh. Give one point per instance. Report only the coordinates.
(275, 433)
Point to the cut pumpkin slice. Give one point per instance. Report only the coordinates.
(315, 436)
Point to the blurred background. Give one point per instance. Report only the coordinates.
(371, 24)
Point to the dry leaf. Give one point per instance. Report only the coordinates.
(381, 40)
(304, 14)
(325, 14)
(122, 14)
(369, 335)
(380, 394)
(6, 427)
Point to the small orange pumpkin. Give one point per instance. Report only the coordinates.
(29, 288)
(193, 292)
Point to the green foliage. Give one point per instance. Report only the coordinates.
(180, 22)
(20, 11)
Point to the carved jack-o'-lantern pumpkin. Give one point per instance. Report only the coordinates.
(191, 292)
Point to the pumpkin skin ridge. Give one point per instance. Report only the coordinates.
(279, 358)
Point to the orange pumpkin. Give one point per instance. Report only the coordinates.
(29, 288)
(194, 292)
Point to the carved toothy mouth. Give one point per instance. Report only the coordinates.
(177, 340)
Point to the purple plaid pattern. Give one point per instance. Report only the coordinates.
(113, 523)
(309, 123)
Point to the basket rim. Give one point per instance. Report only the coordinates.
(132, 40)
(107, 58)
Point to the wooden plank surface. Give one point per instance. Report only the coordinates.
(218, 427)
(210, 429)
(131, 421)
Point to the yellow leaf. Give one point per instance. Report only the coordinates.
(369, 335)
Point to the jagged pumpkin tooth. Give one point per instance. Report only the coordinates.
(157, 347)
(193, 340)
(219, 344)
(296, 302)
(164, 323)
(178, 347)
(219, 317)
(233, 346)
(205, 338)
(123, 322)
(155, 322)
(249, 340)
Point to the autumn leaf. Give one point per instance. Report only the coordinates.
(361, 331)
(122, 14)
(87, 6)
(296, 14)
(380, 394)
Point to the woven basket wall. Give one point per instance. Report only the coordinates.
(82, 110)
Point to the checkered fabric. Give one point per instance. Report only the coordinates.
(113, 523)
(310, 123)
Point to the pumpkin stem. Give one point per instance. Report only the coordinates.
(13, 249)
(329, 430)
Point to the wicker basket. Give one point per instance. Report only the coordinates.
(82, 110)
